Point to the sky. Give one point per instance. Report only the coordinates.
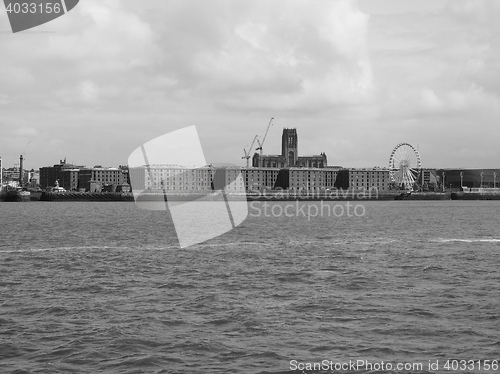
(356, 78)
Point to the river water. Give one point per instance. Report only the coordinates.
(105, 288)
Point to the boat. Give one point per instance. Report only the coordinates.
(57, 188)
(479, 193)
(403, 195)
(10, 193)
(423, 195)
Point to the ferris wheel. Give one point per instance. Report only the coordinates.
(404, 166)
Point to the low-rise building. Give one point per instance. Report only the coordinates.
(11, 174)
(92, 178)
(369, 178)
(173, 178)
(50, 174)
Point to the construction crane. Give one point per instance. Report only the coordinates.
(264, 139)
(247, 154)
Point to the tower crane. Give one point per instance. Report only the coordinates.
(247, 154)
(264, 139)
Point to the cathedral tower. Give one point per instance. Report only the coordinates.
(289, 147)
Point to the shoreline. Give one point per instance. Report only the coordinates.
(276, 196)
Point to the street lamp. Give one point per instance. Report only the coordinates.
(442, 182)
(482, 174)
(462, 179)
(494, 179)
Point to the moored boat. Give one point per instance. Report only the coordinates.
(420, 195)
(479, 193)
(14, 194)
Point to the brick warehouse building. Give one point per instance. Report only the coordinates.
(73, 177)
(63, 172)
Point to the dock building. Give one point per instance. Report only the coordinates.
(93, 179)
(73, 177)
(470, 177)
(179, 179)
(287, 171)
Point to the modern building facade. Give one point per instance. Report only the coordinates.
(472, 178)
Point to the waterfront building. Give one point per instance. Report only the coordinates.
(379, 178)
(289, 155)
(429, 180)
(49, 175)
(312, 179)
(97, 178)
(369, 178)
(124, 169)
(472, 178)
(171, 178)
(69, 179)
(32, 178)
(72, 177)
(235, 179)
(259, 179)
(11, 175)
(177, 179)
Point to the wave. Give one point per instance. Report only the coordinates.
(82, 248)
(467, 240)
(72, 248)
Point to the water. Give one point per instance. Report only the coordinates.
(103, 288)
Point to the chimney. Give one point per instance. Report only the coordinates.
(21, 170)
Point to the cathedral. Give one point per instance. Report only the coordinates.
(289, 157)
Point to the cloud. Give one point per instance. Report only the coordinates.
(4, 100)
(288, 53)
(474, 11)
(96, 45)
(26, 131)
(439, 63)
(473, 98)
(294, 54)
(114, 74)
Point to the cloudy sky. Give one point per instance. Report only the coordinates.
(354, 77)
